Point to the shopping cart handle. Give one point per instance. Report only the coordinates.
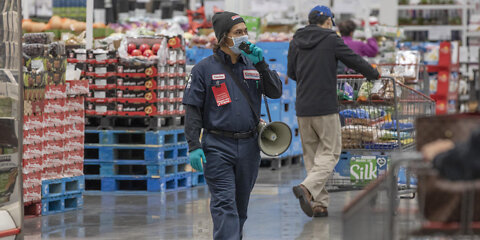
(350, 76)
(354, 76)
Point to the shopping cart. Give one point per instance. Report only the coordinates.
(377, 119)
(380, 212)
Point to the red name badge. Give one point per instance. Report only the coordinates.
(221, 94)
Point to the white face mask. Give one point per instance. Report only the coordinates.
(236, 43)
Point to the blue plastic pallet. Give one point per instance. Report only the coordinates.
(275, 111)
(195, 54)
(62, 186)
(296, 145)
(135, 168)
(151, 153)
(198, 179)
(124, 183)
(149, 184)
(61, 203)
(179, 182)
(161, 137)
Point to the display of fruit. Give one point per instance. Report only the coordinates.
(40, 38)
(57, 23)
(34, 50)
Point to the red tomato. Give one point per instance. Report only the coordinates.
(136, 53)
(155, 48)
(131, 47)
(144, 47)
(148, 53)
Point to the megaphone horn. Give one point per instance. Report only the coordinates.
(274, 138)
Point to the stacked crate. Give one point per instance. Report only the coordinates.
(53, 122)
(135, 139)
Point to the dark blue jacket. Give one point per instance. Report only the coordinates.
(236, 116)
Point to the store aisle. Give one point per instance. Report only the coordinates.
(274, 214)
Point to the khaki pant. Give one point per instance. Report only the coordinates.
(322, 145)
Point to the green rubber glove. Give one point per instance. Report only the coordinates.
(196, 157)
(256, 54)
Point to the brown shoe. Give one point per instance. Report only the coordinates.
(320, 211)
(304, 197)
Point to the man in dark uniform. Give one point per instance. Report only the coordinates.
(215, 103)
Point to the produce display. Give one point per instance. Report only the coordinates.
(57, 25)
(53, 115)
(144, 77)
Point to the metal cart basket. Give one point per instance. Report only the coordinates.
(377, 119)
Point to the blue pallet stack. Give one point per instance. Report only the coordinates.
(64, 194)
(138, 160)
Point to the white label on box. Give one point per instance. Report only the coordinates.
(81, 56)
(100, 70)
(101, 57)
(101, 94)
(101, 82)
(101, 109)
(37, 65)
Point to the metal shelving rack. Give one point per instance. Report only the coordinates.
(465, 7)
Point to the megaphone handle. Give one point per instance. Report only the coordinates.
(268, 109)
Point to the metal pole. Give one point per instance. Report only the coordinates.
(464, 23)
(89, 33)
(20, 114)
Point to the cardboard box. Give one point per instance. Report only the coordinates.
(56, 78)
(77, 87)
(55, 133)
(56, 64)
(106, 82)
(55, 105)
(136, 95)
(106, 108)
(32, 122)
(126, 108)
(55, 91)
(139, 82)
(53, 119)
(32, 79)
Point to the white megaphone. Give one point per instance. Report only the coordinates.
(274, 138)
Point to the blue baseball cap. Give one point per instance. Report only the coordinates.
(324, 10)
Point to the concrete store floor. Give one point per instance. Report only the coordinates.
(274, 213)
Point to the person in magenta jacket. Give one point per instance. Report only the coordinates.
(368, 49)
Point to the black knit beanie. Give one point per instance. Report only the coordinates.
(224, 21)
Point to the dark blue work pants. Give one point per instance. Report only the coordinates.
(231, 171)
